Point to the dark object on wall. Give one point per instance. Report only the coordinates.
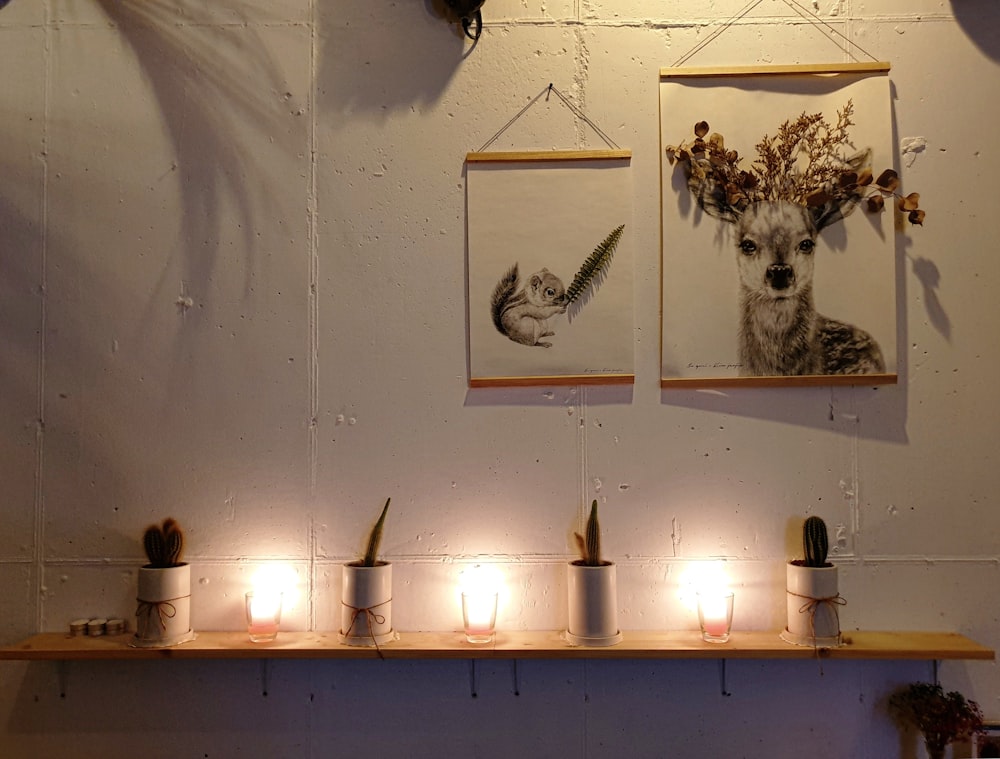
(468, 11)
(3, 4)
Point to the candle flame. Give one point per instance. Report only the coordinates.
(274, 580)
(707, 577)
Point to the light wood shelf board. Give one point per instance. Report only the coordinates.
(507, 645)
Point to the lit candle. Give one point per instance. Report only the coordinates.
(263, 615)
(479, 604)
(715, 617)
(480, 611)
(715, 614)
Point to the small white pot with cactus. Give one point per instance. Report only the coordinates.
(163, 601)
(592, 592)
(366, 595)
(813, 600)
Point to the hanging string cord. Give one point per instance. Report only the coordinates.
(827, 29)
(582, 116)
(519, 114)
(576, 112)
(722, 29)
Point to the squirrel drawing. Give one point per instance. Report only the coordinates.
(521, 314)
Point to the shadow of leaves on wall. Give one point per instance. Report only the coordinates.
(212, 83)
(225, 97)
(930, 279)
(20, 320)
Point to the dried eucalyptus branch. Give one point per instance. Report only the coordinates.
(809, 161)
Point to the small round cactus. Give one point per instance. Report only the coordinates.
(815, 542)
(164, 543)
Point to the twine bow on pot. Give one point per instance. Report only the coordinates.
(812, 605)
(371, 617)
(164, 610)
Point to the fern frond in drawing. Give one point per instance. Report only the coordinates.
(594, 269)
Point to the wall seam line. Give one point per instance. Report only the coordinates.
(39, 495)
(313, 320)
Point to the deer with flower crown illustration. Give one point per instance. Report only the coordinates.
(801, 182)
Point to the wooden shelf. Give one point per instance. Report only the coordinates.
(508, 645)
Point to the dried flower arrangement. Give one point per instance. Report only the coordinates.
(941, 717)
(807, 163)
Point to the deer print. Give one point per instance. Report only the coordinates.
(778, 213)
(780, 332)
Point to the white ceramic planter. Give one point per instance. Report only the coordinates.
(593, 605)
(366, 604)
(813, 605)
(163, 611)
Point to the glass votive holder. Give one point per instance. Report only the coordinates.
(263, 616)
(479, 613)
(715, 615)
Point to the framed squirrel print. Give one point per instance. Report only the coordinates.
(778, 204)
(550, 268)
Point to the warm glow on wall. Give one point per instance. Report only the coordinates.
(275, 579)
(709, 576)
(481, 578)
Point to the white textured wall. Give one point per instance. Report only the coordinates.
(232, 262)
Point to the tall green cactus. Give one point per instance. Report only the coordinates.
(371, 552)
(590, 546)
(164, 543)
(815, 542)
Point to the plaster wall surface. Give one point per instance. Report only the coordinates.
(232, 290)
